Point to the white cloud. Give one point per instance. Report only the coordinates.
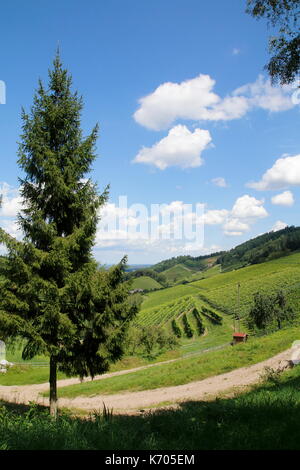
(176, 100)
(244, 213)
(233, 234)
(284, 199)
(181, 148)
(247, 207)
(285, 172)
(235, 225)
(11, 201)
(11, 205)
(236, 51)
(279, 225)
(11, 227)
(195, 99)
(221, 182)
(215, 217)
(262, 94)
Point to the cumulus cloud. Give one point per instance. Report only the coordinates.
(11, 227)
(195, 99)
(221, 182)
(284, 199)
(279, 225)
(285, 172)
(235, 226)
(247, 207)
(262, 94)
(11, 200)
(233, 234)
(10, 206)
(181, 148)
(244, 213)
(215, 217)
(235, 222)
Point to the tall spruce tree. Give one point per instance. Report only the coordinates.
(53, 295)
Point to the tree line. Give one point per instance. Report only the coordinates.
(268, 246)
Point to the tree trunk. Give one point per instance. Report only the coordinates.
(53, 387)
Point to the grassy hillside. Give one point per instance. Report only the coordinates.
(221, 288)
(213, 271)
(282, 273)
(262, 248)
(266, 417)
(155, 299)
(189, 369)
(217, 293)
(145, 283)
(197, 263)
(177, 273)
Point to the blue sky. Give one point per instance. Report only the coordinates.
(186, 113)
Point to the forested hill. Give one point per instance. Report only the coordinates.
(263, 248)
(257, 250)
(197, 263)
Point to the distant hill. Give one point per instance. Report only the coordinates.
(182, 269)
(145, 283)
(149, 273)
(197, 263)
(266, 247)
(135, 267)
(177, 273)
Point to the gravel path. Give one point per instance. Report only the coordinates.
(133, 401)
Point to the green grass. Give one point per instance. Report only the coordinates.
(190, 369)
(213, 271)
(14, 354)
(145, 282)
(220, 289)
(266, 417)
(26, 375)
(177, 273)
(155, 299)
(161, 306)
(282, 273)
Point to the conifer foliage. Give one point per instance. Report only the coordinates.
(52, 294)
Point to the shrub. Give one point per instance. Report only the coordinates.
(212, 316)
(187, 327)
(200, 326)
(176, 329)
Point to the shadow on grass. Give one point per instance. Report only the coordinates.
(268, 417)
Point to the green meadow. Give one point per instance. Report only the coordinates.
(217, 292)
(265, 417)
(189, 369)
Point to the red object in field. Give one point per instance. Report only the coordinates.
(240, 337)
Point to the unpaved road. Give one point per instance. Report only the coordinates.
(132, 401)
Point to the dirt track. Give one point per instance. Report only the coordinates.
(132, 401)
